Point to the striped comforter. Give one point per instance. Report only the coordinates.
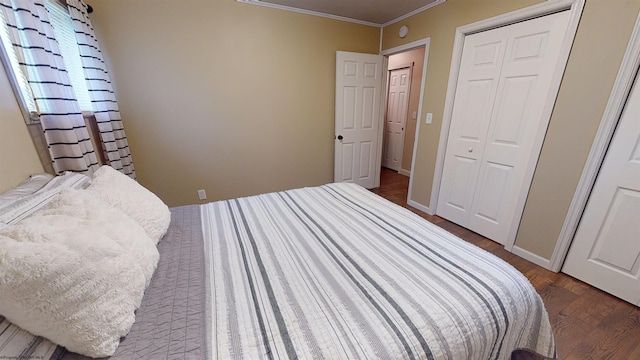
(337, 272)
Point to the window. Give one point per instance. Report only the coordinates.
(65, 35)
(17, 78)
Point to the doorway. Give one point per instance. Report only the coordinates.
(402, 108)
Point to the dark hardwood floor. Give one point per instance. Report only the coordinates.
(587, 323)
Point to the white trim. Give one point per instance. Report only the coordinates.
(401, 66)
(398, 49)
(408, 46)
(342, 18)
(617, 100)
(309, 12)
(549, 7)
(15, 87)
(416, 11)
(528, 255)
(404, 172)
(383, 106)
(419, 206)
(29, 118)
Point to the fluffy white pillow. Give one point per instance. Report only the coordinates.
(133, 199)
(60, 291)
(75, 272)
(80, 208)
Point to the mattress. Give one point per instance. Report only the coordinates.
(337, 272)
(332, 272)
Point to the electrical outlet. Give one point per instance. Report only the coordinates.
(202, 195)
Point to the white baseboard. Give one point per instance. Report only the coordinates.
(528, 255)
(419, 206)
(404, 172)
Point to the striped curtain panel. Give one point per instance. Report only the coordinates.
(103, 98)
(39, 56)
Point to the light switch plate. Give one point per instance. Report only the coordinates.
(429, 118)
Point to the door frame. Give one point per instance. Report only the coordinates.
(575, 7)
(425, 42)
(629, 69)
(398, 67)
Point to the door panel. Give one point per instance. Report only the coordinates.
(512, 110)
(614, 234)
(462, 176)
(606, 248)
(350, 94)
(347, 161)
(357, 119)
(476, 102)
(488, 211)
(370, 104)
(366, 157)
(504, 82)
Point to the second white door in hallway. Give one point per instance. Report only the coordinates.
(396, 117)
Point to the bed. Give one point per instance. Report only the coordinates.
(332, 272)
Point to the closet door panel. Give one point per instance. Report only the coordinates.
(482, 58)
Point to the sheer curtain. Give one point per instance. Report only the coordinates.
(101, 92)
(39, 57)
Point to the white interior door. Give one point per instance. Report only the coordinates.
(605, 251)
(357, 130)
(504, 81)
(396, 117)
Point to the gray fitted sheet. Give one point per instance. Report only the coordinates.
(170, 323)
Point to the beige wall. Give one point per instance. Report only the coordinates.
(18, 156)
(600, 43)
(218, 95)
(238, 99)
(416, 57)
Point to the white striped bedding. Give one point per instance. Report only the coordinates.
(337, 272)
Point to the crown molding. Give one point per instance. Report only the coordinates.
(341, 18)
(416, 11)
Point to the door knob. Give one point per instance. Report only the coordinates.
(340, 137)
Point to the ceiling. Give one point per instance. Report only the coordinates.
(369, 12)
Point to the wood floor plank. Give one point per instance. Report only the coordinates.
(609, 339)
(568, 333)
(587, 322)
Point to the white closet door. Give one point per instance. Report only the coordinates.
(497, 123)
(606, 248)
